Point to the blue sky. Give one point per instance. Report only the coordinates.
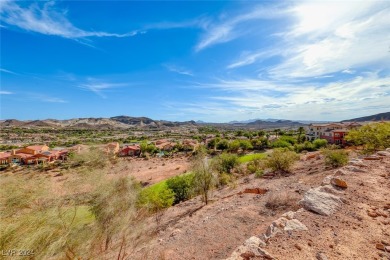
(203, 60)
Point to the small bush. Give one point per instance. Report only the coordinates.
(320, 143)
(224, 179)
(280, 144)
(259, 173)
(281, 201)
(225, 162)
(281, 160)
(254, 165)
(181, 186)
(223, 144)
(335, 158)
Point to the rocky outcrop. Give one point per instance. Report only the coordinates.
(254, 246)
(320, 202)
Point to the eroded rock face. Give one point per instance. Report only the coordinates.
(320, 202)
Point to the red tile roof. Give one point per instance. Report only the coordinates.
(36, 147)
(4, 155)
(24, 155)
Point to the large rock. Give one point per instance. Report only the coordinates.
(251, 249)
(383, 153)
(282, 224)
(320, 202)
(339, 183)
(295, 225)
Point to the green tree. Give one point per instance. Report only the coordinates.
(372, 136)
(204, 179)
(301, 130)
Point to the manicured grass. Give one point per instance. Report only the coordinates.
(251, 157)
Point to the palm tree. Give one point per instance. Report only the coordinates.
(300, 132)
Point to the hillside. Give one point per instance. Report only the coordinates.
(240, 225)
(378, 117)
(117, 122)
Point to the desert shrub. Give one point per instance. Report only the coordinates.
(281, 160)
(259, 173)
(254, 166)
(320, 143)
(372, 136)
(94, 159)
(204, 179)
(224, 179)
(245, 145)
(148, 147)
(213, 143)
(335, 158)
(34, 220)
(234, 145)
(306, 146)
(223, 144)
(114, 207)
(281, 201)
(225, 162)
(155, 199)
(280, 144)
(289, 139)
(181, 186)
(260, 143)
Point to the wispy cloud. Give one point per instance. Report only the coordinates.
(8, 71)
(45, 18)
(99, 87)
(342, 99)
(4, 92)
(229, 28)
(179, 70)
(42, 98)
(334, 36)
(248, 58)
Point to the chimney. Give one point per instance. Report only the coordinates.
(13, 152)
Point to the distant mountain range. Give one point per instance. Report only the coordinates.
(378, 117)
(124, 122)
(275, 120)
(116, 122)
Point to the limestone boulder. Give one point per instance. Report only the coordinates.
(320, 202)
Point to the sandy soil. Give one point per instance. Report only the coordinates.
(190, 231)
(156, 169)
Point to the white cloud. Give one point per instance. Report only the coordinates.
(8, 71)
(3, 92)
(361, 95)
(227, 30)
(334, 36)
(178, 70)
(252, 57)
(46, 19)
(98, 87)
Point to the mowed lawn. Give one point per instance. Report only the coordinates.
(251, 157)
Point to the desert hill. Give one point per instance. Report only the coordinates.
(378, 117)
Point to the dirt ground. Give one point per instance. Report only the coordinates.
(190, 231)
(154, 170)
